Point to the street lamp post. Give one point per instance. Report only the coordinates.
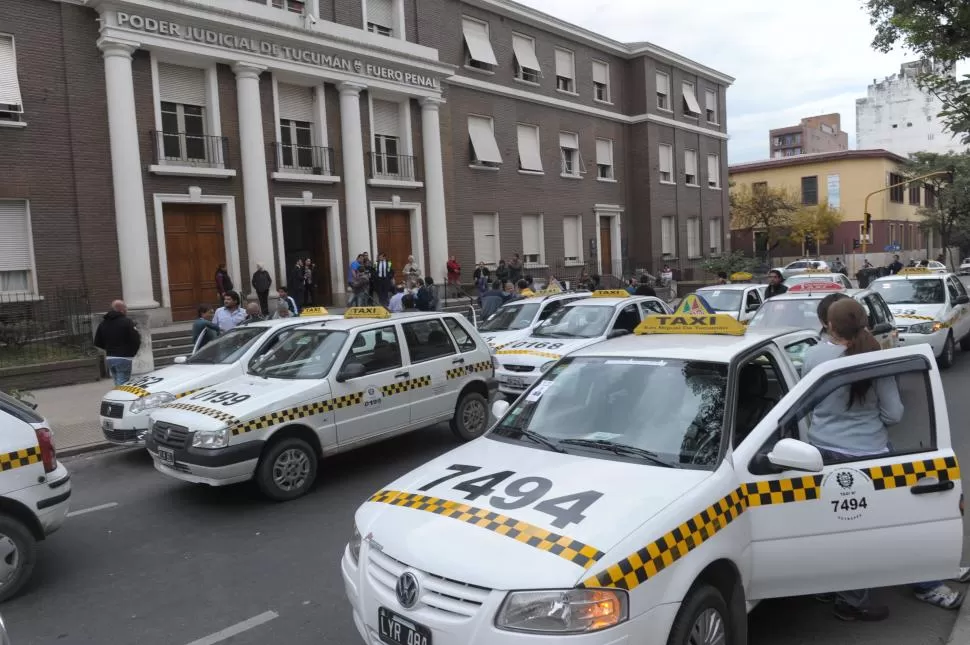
(867, 221)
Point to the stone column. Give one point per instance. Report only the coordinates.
(129, 194)
(434, 190)
(259, 227)
(355, 178)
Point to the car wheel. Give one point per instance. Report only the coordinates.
(945, 359)
(287, 469)
(703, 619)
(18, 552)
(471, 417)
(965, 343)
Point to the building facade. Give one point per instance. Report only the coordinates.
(841, 180)
(149, 141)
(897, 115)
(821, 133)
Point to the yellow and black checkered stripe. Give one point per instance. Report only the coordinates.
(188, 392)
(562, 546)
(465, 370)
(131, 389)
(782, 491)
(201, 409)
(915, 317)
(20, 458)
(405, 386)
(904, 475)
(528, 352)
(299, 412)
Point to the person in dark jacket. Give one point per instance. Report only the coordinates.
(261, 284)
(492, 300)
(775, 286)
(426, 299)
(223, 281)
(204, 326)
(118, 337)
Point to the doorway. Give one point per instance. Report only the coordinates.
(393, 228)
(606, 247)
(194, 248)
(305, 237)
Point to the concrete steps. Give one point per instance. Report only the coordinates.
(169, 343)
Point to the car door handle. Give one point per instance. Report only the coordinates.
(457, 361)
(932, 487)
(402, 375)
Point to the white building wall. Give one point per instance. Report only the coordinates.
(899, 117)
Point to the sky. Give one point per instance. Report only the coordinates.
(790, 58)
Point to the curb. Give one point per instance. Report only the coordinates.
(73, 451)
(961, 629)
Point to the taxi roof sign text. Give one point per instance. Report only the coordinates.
(367, 312)
(693, 316)
(314, 311)
(914, 271)
(815, 285)
(549, 292)
(611, 293)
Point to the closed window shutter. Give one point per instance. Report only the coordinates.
(713, 170)
(601, 72)
(715, 235)
(484, 231)
(564, 63)
(693, 237)
(530, 234)
(710, 99)
(572, 238)
(604, 152)
(296, 103)
(529, 158)
(386, 118)
(180, 84)
(663, 83)
(14, 236)
(666, 158)
(667, 235)
(690, 162)
(381, 12)
(9, 83)
(568, 140)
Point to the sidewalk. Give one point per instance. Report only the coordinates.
(72, 411)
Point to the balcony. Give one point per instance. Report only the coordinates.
(314, 164)
(189, 154)
(396, 171)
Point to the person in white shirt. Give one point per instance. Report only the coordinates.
(396, 305)
(230, 314)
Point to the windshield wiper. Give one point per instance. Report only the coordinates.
(619, 449)
(535, 437)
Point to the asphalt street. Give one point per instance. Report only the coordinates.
(152, 561)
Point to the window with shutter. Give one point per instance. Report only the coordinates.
(668, 238)
(182, 97)
(663, 91)
(15, 247)
(485, 228)
(713, 171)
(691, 106)
(11, 101)
(604, 159)
(181, 84)
(572, 163)
(532, 239)
(693, 237)
(485, 150)
(380, 17)
(526, 64)
(528, 139)
(715, 235)
(478, 47)
(565, 71)
(666, 163)
(572, 232)
(710, 105)
(601, 81)
(387, 140)
(690, 167)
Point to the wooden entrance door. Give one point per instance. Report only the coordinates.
(394, 238)
(194, 248)
(606, 246)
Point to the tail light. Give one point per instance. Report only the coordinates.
(45, 439)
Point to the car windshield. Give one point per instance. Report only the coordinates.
(511, 317)
(228, 348)
(305, 354)
(722, 299)
(608, 406)
(577, 321)
(911, 292)
(802, 314)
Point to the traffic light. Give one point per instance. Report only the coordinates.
(867, 223)
(855, 244)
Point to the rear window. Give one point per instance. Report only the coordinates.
(16, 409)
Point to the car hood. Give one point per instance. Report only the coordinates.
(535, 351)
(498, 339)
(253, 397)
(180, 380)
(914, 314)
(415, 518)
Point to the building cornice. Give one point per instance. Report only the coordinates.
(815, 158)
(624, 50)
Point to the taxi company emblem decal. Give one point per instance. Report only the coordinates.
(407, 590)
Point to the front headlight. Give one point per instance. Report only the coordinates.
(925, 328)
(151, 402)
(354, 545)
(211, 438)
(545, 366)
(565, 611)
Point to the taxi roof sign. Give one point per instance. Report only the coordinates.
(914, 271)
(815, 285)
(549, 292)
(611, 293)
(741, 276)
(367, 312)
(817, 271)
(693, 316)
(314, 311)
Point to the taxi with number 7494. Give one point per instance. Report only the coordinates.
(652, 489)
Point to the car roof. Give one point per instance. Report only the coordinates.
(736, 286)
(815, 274)
(818, 295)
(702, 347)
(293, 320)
(549, 297)
(914, 276)
(347, 324)
(611, 302)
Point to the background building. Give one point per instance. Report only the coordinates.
(821, 133)
(898, 116)
(842, 180)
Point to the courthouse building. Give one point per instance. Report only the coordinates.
(146, 142)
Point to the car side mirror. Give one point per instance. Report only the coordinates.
(179, 360)
(963, 300)
(792, 454)
(616, 333)
(499, 408)
(351, 371)
(882, 328)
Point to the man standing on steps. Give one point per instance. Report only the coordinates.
(261, 284)
(118, 337)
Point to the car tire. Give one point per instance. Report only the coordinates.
(703, 618)
(18, 552)
(965, 343)
(287, 469)
(471, 417)
(945, 359)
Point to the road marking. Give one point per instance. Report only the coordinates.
(238, 628)
(92, 509)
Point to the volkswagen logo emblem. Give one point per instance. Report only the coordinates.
(407, 590)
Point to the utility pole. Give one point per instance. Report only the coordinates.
(867, 216)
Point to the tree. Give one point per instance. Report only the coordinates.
(732, 263)
(814, 224)
(765, 210)
(949, 217)
(936, 30)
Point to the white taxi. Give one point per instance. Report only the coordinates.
(126, 408)
(573, 521)
(740, 301)
(819, 276)
(515, 320)
(605, 314)
(328, 387)
(930, 308)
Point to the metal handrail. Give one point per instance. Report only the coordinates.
(191, 149)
